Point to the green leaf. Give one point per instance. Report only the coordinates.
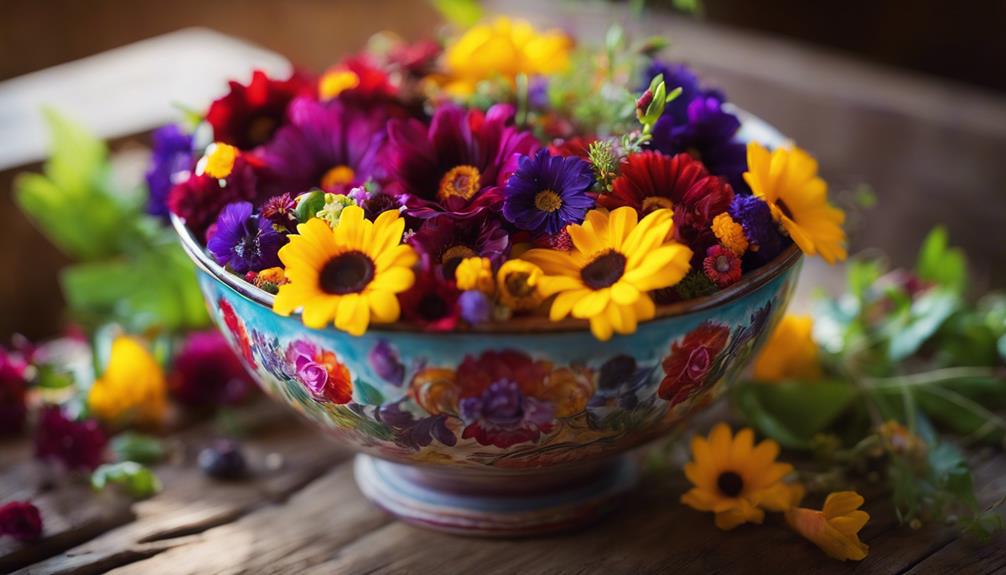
(461, 13)
(132, 446)
(367, 394)
(908, 331)
(134, 479)
(793, 412)
(941, 264)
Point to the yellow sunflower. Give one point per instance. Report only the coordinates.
(786, 179)
(835, 529)
(349, 274)
(614, 262)
(736, 479)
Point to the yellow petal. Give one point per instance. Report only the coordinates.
(592, 304)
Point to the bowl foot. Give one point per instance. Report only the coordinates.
(498, 504)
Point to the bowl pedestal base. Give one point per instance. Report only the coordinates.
(497, 504)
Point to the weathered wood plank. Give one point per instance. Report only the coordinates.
(308, 529)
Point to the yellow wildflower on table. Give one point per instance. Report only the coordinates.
(503, 48)
(786, 179)
(350, 274)
(615, 261)
(132, 390)
(736, 479)
(790, 352)
(835, 529)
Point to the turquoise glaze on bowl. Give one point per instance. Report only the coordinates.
(514, 428)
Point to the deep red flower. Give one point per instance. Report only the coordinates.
(248, 116)
(207, 373)
(237, 329)
(650, 180)
(199, 199)
(457, 163)
(20, 520)
(721, 266)
(476, 374)
(578, 146)
(76, 444)
(687, 369)
(373, 84)
(416, 58)
(432, 301)
(13, 392)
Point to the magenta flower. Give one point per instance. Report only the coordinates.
(13, 390)
(331, 146)
(448, 240)
(20, 520)
(503, 416)
(457, 163)
(75, 444)
(207, 373)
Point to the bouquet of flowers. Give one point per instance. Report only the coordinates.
(509, 173)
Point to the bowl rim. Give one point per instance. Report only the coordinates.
(749, 283)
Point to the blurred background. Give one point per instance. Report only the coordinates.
(906, 100)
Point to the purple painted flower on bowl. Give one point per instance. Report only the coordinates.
(503, 416)
(384, 360)
(413, 433)
(320, 371)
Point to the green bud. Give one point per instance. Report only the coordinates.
(309, 204)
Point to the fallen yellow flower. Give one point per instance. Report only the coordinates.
(835, 529)
(132, 390)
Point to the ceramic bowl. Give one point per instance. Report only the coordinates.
(510, 429)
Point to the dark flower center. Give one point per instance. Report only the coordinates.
(653, 203)
(432, 307)
(604, 271)
(452, 258)
(516, 284)
(346, 273)
(461, 181)
(547, 201)
(730, 483)
(784, 208)
(261, 129)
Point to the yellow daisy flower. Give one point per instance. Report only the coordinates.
(614, 262)
(787, 180)
(503, 48)
(736, 479)
(132, 391)
(790, 352)
(476, 273)
(349, 274)
(835, 529)
(519, 285)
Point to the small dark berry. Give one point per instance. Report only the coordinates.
(223, 460)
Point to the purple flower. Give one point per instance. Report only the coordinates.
(618, 380)
(676, 75)
(457, 163)
(76, 444)
(331, 146)
(707, 134)
(170, 160)
(475, 307)
(761, 230)
(548, 192)
(447, 240)
(280, 210)
(243, 241)
(503, 416)
(385, 363)
(301, 355)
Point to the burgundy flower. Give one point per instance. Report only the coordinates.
(20, 520)
(207, 373)
(476, 374)
(248, 116)
(447, 240)
(332, 146)
(13, 391)
(457, 163)
(651, 180)
(373, 86)
(432, 301)
(75, 444)
(690, 364)
(503, 416)
(721, 266)
(199, 199)
(280, 210)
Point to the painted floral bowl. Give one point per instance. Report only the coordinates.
(514, 428)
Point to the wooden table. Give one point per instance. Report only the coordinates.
(306, 515)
